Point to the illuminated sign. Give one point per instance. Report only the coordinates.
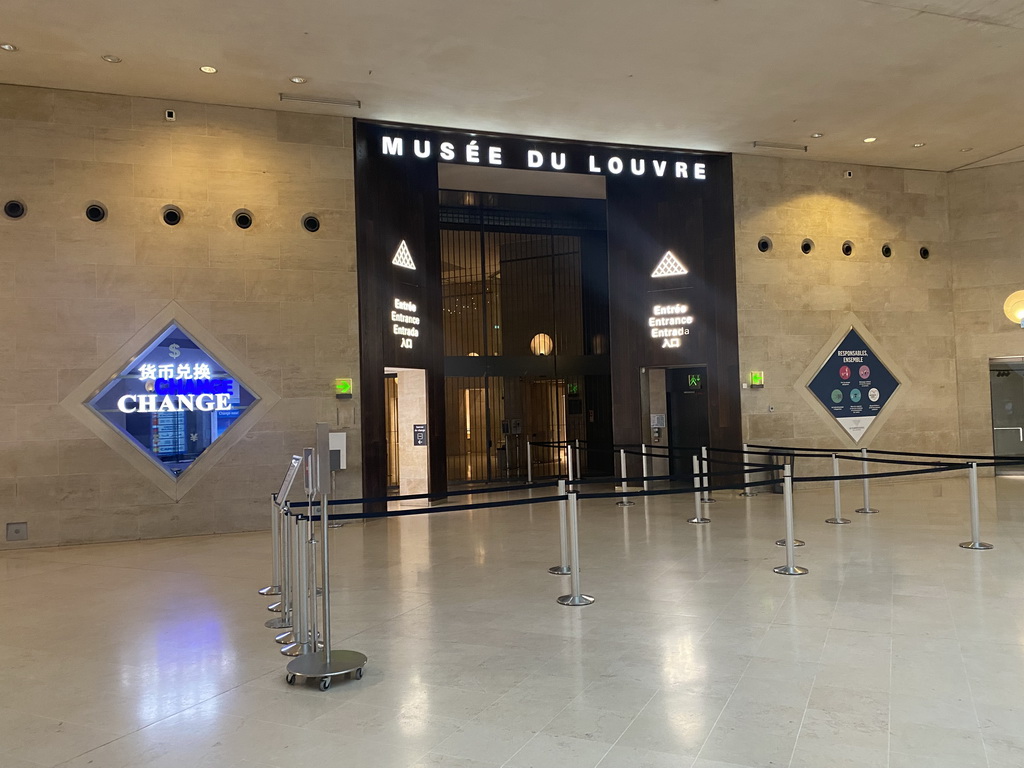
(527, 155)
(173, 401)
(670, 322)
(405, 322)
(403, 258)
(669, 266)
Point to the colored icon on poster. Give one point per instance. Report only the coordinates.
(864, 372)
(837, 395)
(854, 395)
(844, 373)
(873, 394)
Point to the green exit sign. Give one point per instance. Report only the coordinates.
(343, 388)
(694, 380)
(757, 378)
(574, 389)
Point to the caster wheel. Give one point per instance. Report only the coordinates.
(325, 683)
(359, 674)
(290, 678)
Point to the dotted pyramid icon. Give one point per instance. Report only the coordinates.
(669, 266)
(403, 258)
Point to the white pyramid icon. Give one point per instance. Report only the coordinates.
(669, 266)
(404, 259)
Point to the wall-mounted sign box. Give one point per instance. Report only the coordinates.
(419, 434)
(173, 401)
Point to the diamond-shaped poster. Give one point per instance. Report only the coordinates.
(853, 385)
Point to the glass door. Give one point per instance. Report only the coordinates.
(1006, 380)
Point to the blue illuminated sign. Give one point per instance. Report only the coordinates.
(173, 401)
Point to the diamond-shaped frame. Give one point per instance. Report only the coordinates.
(843, 327)
(77, 401)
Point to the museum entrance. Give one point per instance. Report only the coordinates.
(524, 291)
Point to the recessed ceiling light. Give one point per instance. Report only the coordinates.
(208, 70)
(817, 135)
(918, 145)
(109, 57)
(967, 149)
(870, 139)
(9, 47)
(298, 80)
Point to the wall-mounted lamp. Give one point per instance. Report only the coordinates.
(542, 345)
(1013, 308)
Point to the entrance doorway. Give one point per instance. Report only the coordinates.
(1006, 382)
(687, 414)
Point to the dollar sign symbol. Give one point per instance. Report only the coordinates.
(174, 351)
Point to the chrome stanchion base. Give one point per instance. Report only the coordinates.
(747, 493)
(699, 520)
(275, 607)
(975, 545)
(270, 591)
(868, 511)
(560, 570)
(708, 501)
(840, 521)
(624, 503)
(796, 543)
(575, 600)
(316, 665)
(796, 570)
(279, 623)
(285, 638)
(299, 649)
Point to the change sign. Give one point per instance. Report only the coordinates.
(853, 385)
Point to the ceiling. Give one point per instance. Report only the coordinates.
(697, 74)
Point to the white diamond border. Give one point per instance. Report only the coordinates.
(176, 488)
(846, 323)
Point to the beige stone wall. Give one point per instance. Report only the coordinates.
(987, 228)
(73, 292)
(790, 303)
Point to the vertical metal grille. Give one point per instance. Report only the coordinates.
(506, 285)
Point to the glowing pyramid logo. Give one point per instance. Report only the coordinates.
(403, 258)
(669, 266)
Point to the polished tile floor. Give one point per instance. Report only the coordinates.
(899, 648)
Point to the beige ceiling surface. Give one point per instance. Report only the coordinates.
(700, 74)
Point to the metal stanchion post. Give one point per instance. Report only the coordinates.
(837, 518)
(326, 664)
(300, 598)
(790, 568)
(275, 545)
(568, 464)
(563, 536)
(579, 464)
(866, 509)
(643, 459)
(705, 471)
(286, 619)
(746, 474)
(975, 542)
(788, 473)
(577, 597)
(529, 461)
(626, 501)
(698, 513)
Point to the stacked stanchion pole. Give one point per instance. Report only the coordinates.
(529, 461)
(576, 597)
(626, 501)
(837, 518)
(866, 509)
(563, 568)
(698, 513)
(790, 568)
(275, 545)
(975, 542)
(328, 663)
